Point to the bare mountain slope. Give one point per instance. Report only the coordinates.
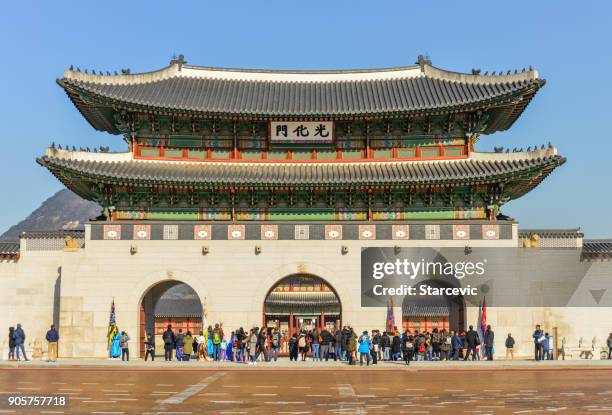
(63, 210)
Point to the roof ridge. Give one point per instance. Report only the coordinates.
(298, 76)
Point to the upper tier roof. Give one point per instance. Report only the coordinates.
(246, 93)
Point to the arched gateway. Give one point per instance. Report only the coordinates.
(169, 302)
(302, 302)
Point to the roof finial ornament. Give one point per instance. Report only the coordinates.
(125, 71)
(71, 68)
(53, 144)
(422, 61)
(180, 61)
(475, 71)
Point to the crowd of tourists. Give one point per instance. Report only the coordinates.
(345, 344)
(267, 344)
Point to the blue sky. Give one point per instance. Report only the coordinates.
(568, 42)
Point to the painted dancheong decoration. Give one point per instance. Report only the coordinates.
(212, 144)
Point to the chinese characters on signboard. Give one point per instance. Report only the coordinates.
(301, 131)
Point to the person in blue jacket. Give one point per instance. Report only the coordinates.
(457, 344)
(364, 348)
(52, 338)
(19, 337)
(538, 340)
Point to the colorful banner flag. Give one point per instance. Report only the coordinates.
(483, 319)
(390, 316)
(112, 325)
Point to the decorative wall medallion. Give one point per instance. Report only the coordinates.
(333, 232)
(432, 232)
(367, 232)
(302, 232)
(461, 232)
(235, 232)
(201, 232)
(490, 232)
(142, 232)
(269, 232)
(400, 232)
(112, 232)
(170, 232)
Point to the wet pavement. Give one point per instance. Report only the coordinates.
(331, 390)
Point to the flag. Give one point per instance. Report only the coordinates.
(479, 319)
(390, 316)
(482, 326)
(483, 319)
(112, 325)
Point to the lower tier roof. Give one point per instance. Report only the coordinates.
(524, 169)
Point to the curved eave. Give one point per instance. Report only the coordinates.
(518, 175)
(92, 113)
(525, 185)
(513, 112)
(507, 95)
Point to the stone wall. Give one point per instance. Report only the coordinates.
(232, 281)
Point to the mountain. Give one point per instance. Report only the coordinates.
(63, 210)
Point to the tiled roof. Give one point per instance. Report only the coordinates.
(551, 233)
(597, 247)
(55, 234)
(425, 310)
(188, 307)
(308, 303)
(302, 298)
(479, 168)
(281, 94)
(9, 248)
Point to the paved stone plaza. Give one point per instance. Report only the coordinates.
(494, 388)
